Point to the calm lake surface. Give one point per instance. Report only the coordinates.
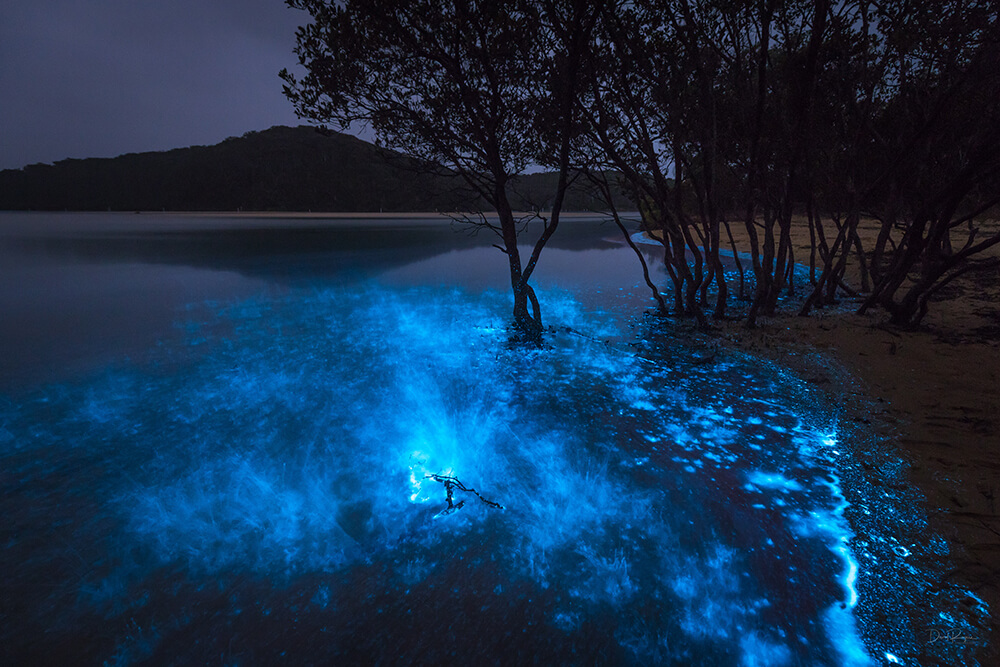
(231, 440)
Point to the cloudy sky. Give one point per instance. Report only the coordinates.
(97, 78)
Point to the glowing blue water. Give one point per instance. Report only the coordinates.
(259, 492)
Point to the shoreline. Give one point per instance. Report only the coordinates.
(318, 215)
(935, 407)
(937, 395)
(936, 389)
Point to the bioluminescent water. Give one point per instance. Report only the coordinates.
(264, 480)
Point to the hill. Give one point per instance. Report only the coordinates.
(279, 169)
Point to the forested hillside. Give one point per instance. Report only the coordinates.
(280, 169)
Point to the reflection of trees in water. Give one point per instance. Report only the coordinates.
(259, 251)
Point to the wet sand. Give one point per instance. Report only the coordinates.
(937, 396)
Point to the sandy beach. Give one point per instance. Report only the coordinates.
(937, 392)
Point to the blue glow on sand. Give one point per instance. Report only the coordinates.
(655, 511)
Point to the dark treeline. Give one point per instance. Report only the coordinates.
(839, 110)
(713, 114)
(280, 169)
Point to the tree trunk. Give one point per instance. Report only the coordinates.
(526, 323)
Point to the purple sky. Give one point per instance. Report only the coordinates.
(97, 78)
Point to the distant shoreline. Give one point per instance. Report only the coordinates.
(375, 215)
(21, 223)
(319, 216)
(366, 214)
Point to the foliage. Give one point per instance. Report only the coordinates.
(482, 88)
(280, 169)
(716, 112)
(706, 113)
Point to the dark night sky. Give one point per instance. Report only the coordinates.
(97, 78)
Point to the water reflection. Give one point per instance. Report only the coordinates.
(639, 497)
(256, 488)
(79, 291)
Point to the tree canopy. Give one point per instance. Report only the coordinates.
(710, 114)
(482, 88)
(717, 112)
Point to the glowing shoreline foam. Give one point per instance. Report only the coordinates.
(279, 479)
